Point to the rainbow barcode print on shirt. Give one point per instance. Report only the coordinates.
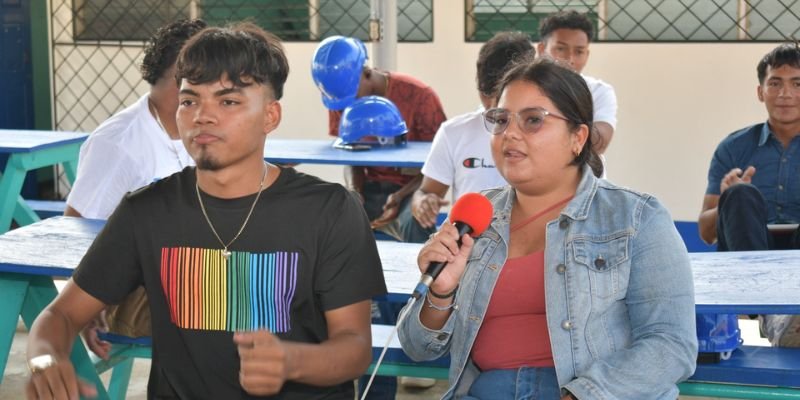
(250, 291)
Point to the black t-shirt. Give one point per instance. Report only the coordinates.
(307, 249)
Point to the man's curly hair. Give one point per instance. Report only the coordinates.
(162, 49)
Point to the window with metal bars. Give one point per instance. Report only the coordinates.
(291, 20)
(645, 20)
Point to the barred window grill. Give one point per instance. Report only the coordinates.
(292, 20)
(97, 44)
(645, 20)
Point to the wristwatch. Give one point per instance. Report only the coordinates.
(41, 363)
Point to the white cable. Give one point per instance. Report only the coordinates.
(400, 318)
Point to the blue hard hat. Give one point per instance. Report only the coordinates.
(371, 116)
(336, 69)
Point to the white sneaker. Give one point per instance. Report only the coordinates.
(419, 383)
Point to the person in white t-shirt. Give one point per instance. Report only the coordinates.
(565, 36)
(460, 155)
(133, 148)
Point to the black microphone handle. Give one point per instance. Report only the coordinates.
(435, 268)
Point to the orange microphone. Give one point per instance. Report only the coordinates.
(471, 214)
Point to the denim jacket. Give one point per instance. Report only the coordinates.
(618, 291)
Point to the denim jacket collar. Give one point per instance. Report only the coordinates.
(576, 209)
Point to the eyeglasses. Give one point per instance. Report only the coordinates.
(529, 120)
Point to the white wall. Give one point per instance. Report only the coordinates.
(676, 102)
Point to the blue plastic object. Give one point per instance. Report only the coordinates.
(372, 120)
(336, 69)
(718, 333)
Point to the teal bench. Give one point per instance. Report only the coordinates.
(125, 350)
(753, 372)
(47, 208)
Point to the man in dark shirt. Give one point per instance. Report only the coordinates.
(753, 192)
(252, 291)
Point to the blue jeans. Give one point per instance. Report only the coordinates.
(526, 383)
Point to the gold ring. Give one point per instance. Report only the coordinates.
(41, 363)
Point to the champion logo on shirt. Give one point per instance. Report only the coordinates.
(248, 292)
(474, 162)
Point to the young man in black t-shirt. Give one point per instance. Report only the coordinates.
(259, 277)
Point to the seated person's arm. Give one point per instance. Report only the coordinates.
(407, 189)
(604, 132)
(428, 200)
(267, 362)
(354, 178)
(391, 209)
(707, 223)
(53, 334)
(71, 212)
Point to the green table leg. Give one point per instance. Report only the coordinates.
(10, 187)
(71, 168)
(40, 293)
(12, 207)
(13, 287)
(23, 214)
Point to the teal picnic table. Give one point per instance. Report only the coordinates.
(761, 282)
(29, 150)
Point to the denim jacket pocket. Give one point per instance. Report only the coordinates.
(607, 261)
(482, 243)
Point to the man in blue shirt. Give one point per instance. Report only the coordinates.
(753, 180)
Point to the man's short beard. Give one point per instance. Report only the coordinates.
(207, 163)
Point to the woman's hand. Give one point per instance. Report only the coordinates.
(443, 247)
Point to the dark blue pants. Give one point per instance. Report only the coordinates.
(742, 222)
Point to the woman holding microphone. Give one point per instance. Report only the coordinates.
(579, 289)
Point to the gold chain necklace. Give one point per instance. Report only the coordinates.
(225, 251)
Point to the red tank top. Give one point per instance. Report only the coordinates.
(514, 330)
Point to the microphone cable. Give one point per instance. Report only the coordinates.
(472, 214)
(400, 318)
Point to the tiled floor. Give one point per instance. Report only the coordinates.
(13, 385)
